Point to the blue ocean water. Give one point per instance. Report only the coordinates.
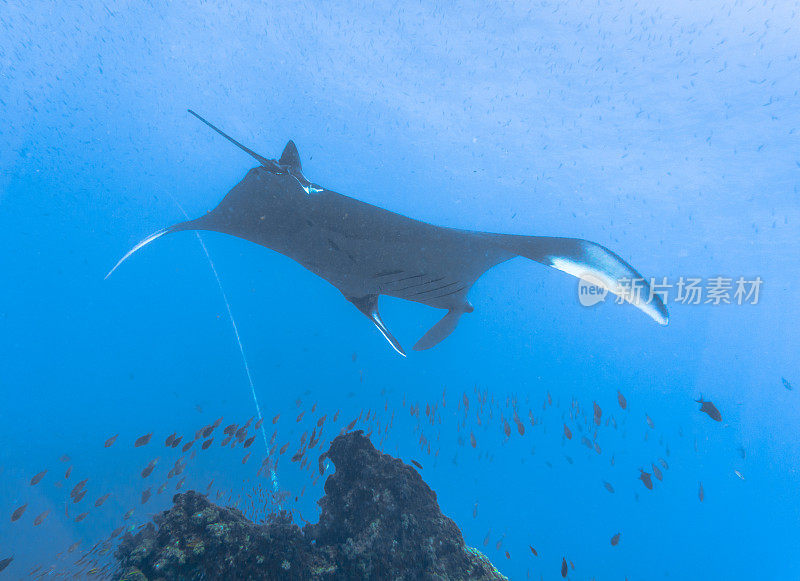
(668, 133)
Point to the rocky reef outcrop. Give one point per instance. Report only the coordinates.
(378, 520)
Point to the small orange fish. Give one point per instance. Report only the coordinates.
(564, 569)
(506, 428)
(187, 445)
(535, 554)
(148, 470)
(81, 516)
(472, 441)
(207, 443)
(102, 499)
(701, 493)
(78, 487)
(567, 432)
(657, 472)
(615, 540)
(284, 448)
(246, 457)
(38, 478)
(240, 434)
(645, 478)
(275, 419)
(68, 472)
(417, 464)
(621, 399)
(351, 425)
(40, 519)
(17, 514)
(520, 425)
(142, 440)
(146, 495)
(249, 441)
(709, 408)
(110, 441)
(608, 486)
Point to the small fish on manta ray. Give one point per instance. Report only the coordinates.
(366, 251)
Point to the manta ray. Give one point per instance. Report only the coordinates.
(366, 251)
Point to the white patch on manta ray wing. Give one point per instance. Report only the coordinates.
(144, 242)
(595, 276)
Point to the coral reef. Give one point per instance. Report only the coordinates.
(378, 520)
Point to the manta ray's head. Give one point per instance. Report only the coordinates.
(266, 207)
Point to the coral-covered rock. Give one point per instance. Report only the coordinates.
(196, 539)
(378, 520)
(383, 522)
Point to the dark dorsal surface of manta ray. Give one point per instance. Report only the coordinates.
(366, 251)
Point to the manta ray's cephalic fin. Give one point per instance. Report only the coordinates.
(369, 306)
(267, 163)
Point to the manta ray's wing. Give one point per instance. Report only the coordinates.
(580, 258)
(592, 262)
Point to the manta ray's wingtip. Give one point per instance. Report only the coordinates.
(144, 242)
(657, 311)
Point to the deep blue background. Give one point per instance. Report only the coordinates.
(668, 133)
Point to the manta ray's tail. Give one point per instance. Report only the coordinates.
(593, 263)
(141, 244)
